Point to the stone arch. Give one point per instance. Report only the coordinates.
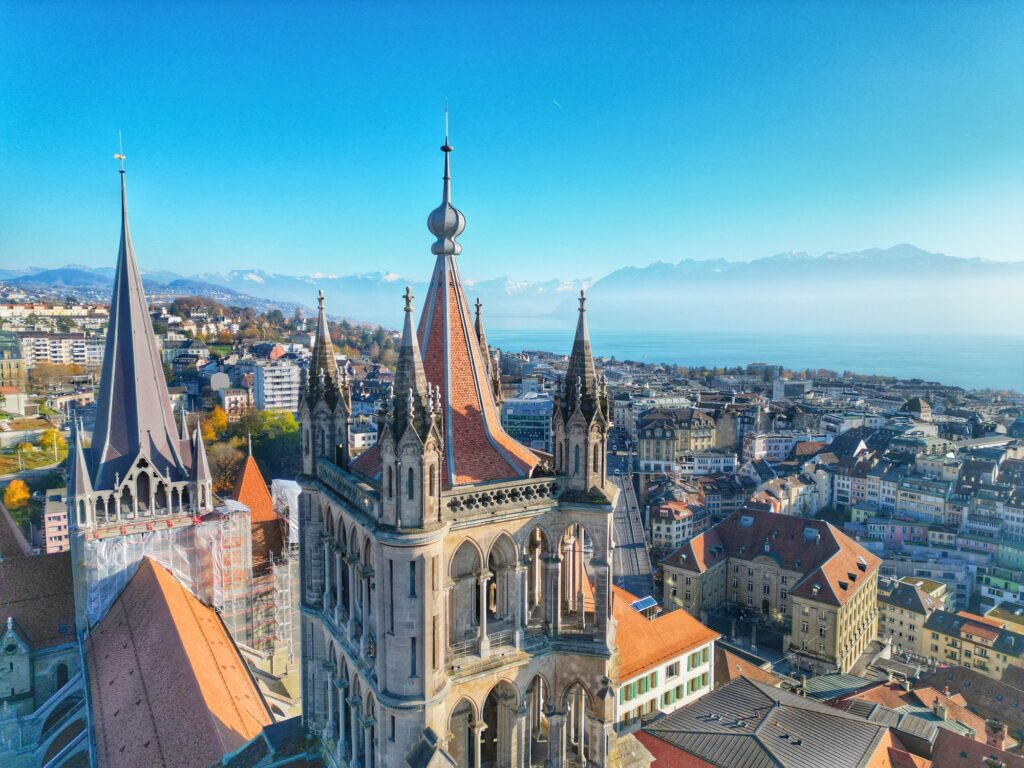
(578, 705)
(462, 732)
(370, 715)
(502, 560)
(499, 716)
(464, 603)
(537, 547)
(538, 703)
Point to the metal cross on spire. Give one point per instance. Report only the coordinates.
(408, 298)
(120, 151)
(583, 300)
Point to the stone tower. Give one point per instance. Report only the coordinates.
(456, 585)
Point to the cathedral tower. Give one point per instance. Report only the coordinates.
(457, 592)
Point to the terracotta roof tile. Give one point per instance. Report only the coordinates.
(167, 684)
(644, 643)
(267, 528)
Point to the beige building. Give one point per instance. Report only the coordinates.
(806, 575)
(977, 642)
(665, 434)
(903, 608)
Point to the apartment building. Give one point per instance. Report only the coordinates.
(904, 606)
(61, 348)
(968, 640)
(276, 385)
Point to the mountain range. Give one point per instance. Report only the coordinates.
(902, 288)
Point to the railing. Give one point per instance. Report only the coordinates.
(463, 648)
(507, 637)
(495, 498)
(359, 495)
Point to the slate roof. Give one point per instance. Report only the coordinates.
(168, 686)
(38, 593)
(833, 564)
(747, 724)
(909, 597)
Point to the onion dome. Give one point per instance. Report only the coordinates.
(446, 222)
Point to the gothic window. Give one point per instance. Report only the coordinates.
(576, 467)
(61, 676)
(595, 460)
(390, 490)
(433, 473)
(410, 485)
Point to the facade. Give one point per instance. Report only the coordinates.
(528, 420)
(61, 348)
(56, 536)
(12, 370)
(665, 434)
(803, 574)
(904, 606)
(276, 385)
(978, 642)
(449, 616)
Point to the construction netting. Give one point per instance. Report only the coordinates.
(285, 494)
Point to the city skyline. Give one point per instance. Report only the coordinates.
(596, 141)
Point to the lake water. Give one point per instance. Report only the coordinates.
(970, 361)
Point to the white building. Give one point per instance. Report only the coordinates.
(62, 348)
(665, 660)
(701, 464)
(276, 385)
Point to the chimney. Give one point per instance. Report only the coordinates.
(939, 709)
(945, 691)
(995, 734)
(907, 685)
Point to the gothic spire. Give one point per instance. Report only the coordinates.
(200, 466)
(489, 367)
(134, 410)
(412, 393)
(323, 368)
(446, 222)
(79, 483)
(581, 384)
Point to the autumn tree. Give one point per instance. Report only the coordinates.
(225, 464)
(52, 437)
(218, 421)
(207, 431)
(16, 495)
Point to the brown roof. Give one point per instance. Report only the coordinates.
(267, 528)
(168, 686)
(644, 643)
(833, 564)
(38, 593)
(951, 750)
(729, 666)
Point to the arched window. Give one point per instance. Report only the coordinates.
(390, 489)
(410, 485)
(576, 467)
(433, 473)
(595, 460)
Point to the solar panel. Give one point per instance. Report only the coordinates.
(643, 604)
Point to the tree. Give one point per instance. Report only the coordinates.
(52, 437)
(16, 495)
(206, 430)
(225, 464)
(218, 420)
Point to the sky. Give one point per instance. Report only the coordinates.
(303, 137)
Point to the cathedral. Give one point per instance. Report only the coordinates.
(456, 598)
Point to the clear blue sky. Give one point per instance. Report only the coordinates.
(302, 137)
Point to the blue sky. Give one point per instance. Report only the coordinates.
(303, 137)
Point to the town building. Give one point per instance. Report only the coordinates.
(904, 606)
(528, 419)
(978, 642)
(664, 434)
(60, 348)
(805, 575)
(56, 536)
(665, 660)
(12, 369)
(276, 384)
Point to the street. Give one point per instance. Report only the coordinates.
(632, 561)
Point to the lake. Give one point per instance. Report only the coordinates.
(970, 361)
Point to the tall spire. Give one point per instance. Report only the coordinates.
(79, 483)
(134, 412)
(446, 222)
(581, 384)
(323, 368)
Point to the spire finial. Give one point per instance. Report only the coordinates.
(478, 305)
(250, 443)
(121, 153)
(583, 300)
(446, 120)
(408, 298)
(320, 299)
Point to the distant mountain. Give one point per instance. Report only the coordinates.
(901, 288)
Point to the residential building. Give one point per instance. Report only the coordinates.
(969, 640)
(276, 385)
(665, 661)
(904, 606)
(61, 348)
(12, 369)
(805, 575)
(56, 537)
(528, 420)
(665, 434)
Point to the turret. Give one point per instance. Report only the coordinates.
(581, 415)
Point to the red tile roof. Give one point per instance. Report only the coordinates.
(643, 643)
(38, 593)
(168, 686)
(267, 528)
(477, 448)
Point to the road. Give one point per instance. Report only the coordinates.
(632, 561)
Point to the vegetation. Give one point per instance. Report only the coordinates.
(43, 377)
(16, 495)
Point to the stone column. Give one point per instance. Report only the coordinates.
(368, 756)
(521, 739)
(351, 594)
(478, 730)
(327, 573)
(330, 706)
(556, 739)
(353, 712)
(485, 644)
(342, 687)
(337, 579)
(553, 592)
(520, 604)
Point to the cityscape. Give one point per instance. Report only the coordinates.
(275, 496)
